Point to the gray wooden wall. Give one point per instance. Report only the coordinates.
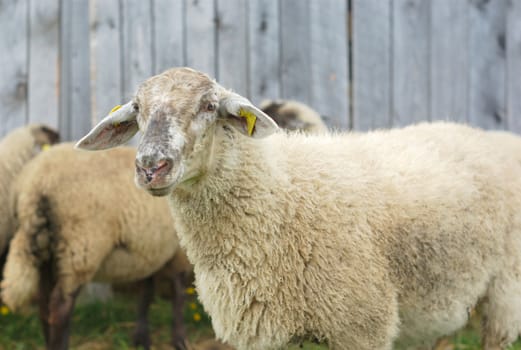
(364, 63)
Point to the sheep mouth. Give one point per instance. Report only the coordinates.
(161, 185)
(159, 188)
(160, 192)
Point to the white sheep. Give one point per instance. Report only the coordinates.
(360, 240)
(294, 115)
(16, 148)
(81, 219)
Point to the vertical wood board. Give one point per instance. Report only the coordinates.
(329, 61)
(410, 89)
(43, 87)
(295, 61)
(513, 57)
(449, 58)
(232, 45)
(75, 102)
(371, 53)
(168, 31)
(13, 64)
(200, 36)
(263, 50)
(137, 60)
(105, 46)
(487, 71)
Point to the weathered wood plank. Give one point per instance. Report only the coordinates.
(295, 50)
(43, 88)
(264, 53)
(106, 58)
(487, 45)
(168, 34)
(513, 57)
(371, 54)
(136, 48)
(329, 61)
(200, 36)
(74, 71)
(410, 95)
(137, 41)
(449, 59)
(13, 64)
(232, 47)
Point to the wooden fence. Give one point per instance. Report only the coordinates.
(363, 63)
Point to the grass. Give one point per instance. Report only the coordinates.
(104, 326)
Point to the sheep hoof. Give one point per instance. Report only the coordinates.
(141, 338)
(180, 344)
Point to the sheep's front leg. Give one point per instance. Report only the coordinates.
(60, 313)
(141, 335)
(178, 300)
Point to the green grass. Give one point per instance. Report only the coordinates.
(103, 326)
(109, 324)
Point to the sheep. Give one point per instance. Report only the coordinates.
(364, 241)
(75, 226)
(16, 148)
(293, 115)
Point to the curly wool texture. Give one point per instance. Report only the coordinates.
(361, 240)
(16, 149)
(84, 210)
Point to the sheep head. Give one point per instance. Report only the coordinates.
(44, 136)
(178, 113)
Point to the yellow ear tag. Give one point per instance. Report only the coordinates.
(115, 109)
(250, 119)
(115, 124)
(45, 147)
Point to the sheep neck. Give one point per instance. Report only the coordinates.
(217, 214)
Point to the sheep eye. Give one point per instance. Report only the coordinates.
(135, 107)
(210, 107)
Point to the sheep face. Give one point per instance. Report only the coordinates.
(178, 113)
(44, 136)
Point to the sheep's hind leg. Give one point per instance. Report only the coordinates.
(502, 316)
(141, 336)
(178, 300)
(60, 312)
(46, 283)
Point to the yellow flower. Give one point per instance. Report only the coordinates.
(197, 317)
(4, 310)
(190, 291)
(193, 306)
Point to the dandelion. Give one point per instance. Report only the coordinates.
(197, 317)
(190, 290)
(193, 306)
(4, 310)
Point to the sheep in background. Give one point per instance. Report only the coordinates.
(16, 148)
(360, 240)
(293, 116)
(81, 218)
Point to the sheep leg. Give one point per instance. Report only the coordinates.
(178, 300)
(60, 310)
(141, 336)
(502, 313)
(44, 297)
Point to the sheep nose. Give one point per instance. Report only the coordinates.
(150, 167)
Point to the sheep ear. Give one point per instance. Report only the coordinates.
(245, 117)
(115, 129)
